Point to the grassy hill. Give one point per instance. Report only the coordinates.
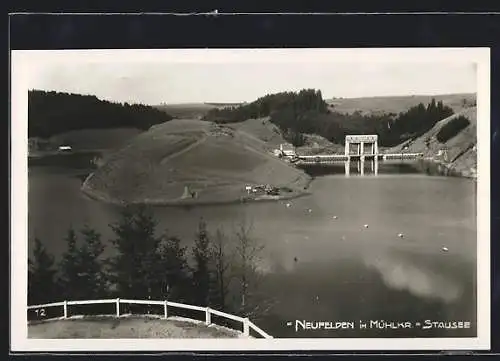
(261, 129)
(127, 327)
(460, 155)
(216, 162)
(397, 104)
(269, 133)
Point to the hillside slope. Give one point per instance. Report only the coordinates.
(261, 129)
(269, 133)
(214, 162)
(458, 153)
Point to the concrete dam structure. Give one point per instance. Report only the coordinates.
(359, 149)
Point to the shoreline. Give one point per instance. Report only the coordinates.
(245, 199)
(441, 167)
(451, 169)
(102, 197)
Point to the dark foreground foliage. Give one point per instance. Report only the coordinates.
(223, 274)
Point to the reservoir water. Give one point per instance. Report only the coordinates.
(357, 249)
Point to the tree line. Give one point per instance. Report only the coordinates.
(305, 112)
(306, 99)
(51, 113)
(452, 128)
(219, 270)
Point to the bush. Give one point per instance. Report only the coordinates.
(295, 138)
(452, 128)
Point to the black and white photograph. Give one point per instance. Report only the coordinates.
(250, 199)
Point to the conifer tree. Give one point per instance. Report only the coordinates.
(69, 267)
(90, 252)
(173, 271)
(82, 275)
(42, 286)
(201, 271)
(134, 269)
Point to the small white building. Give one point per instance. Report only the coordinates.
(443, 152)
(277, 153)
(288, 150)
(65, 148)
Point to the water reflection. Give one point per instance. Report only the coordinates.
(347, 290)
(401, 273)
(386, 167)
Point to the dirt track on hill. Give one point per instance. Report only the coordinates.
(214, 161)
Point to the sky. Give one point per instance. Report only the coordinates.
(198, 81)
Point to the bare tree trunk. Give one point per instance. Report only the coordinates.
(248, 252)
(222, 263)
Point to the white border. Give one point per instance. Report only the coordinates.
(24, 62)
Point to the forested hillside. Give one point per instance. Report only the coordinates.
(451, 142)
(305, 112)
(53, 113)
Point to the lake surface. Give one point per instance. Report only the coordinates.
(321, 268)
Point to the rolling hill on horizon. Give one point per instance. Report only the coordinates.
(385, 104)
(399, 103)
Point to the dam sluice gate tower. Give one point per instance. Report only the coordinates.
(359, 142)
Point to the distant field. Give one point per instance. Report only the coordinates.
(129, 327)
(187, 110)
(397, 104)
(370, 105)
(222, 105)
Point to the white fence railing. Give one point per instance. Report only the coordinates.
(246, 323)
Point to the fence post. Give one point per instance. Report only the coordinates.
(65, 309)
(207, 316)
(117, 307)
(165, 309)
(246, 327)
